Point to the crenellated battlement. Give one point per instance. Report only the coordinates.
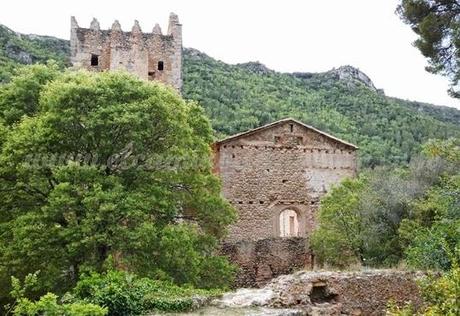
(151, 56)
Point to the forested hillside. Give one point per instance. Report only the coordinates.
(239, 97)
(16, 49)
(388, 130)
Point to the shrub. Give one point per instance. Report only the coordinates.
(441, 294)
(126, 294)
(48, 304)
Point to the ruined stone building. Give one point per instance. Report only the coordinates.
(150, 56)
(274, 176)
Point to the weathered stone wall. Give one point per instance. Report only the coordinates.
(136, 52)
(262, 260)
(331, 293)
(286, 166)
(345, 293)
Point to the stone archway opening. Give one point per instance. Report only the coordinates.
(320, 293)
(289, 223)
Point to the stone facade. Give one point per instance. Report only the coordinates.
(150, 56)
(286, 165)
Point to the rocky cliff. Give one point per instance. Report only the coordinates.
(348, 74)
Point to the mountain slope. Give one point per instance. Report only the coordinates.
(388, 130)
(16, 48)
(342, 101)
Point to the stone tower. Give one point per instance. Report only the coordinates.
(150, 56)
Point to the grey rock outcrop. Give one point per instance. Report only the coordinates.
(352, 75)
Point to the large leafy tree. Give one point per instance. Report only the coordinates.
(437, 24)
(105, 166)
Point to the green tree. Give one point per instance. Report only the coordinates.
(436, 22)
(431, 231)
(109, 166)
(20, 96)
(387, 213)
(338, 240)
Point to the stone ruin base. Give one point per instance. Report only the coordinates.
(270, 266)
(262, 260)
(332, 293)
(349, 293)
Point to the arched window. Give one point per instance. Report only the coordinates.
(289, 224)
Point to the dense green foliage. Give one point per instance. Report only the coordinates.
(106, 166)
(126, 294)
(338, 241)
(20, 97)
(441, 295)
(386, 215)
(47, 304)
(436, 24)
(237, 98)
(431, 234)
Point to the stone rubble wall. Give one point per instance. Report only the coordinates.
(262, 260)
(317, 293)
(346, 293)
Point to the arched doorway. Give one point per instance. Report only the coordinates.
(289, 223)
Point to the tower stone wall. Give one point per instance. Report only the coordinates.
(150, 56)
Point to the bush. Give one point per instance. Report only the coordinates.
(337, 241)
(115, 290)
(441, 294)
(126, 294)
(48, 304)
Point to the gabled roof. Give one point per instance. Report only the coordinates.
(286, 120)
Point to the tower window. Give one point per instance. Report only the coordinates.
(161, 65)
(289, 223)
(94, 60)
(292, 127)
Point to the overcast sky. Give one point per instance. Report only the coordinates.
(287, 35)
